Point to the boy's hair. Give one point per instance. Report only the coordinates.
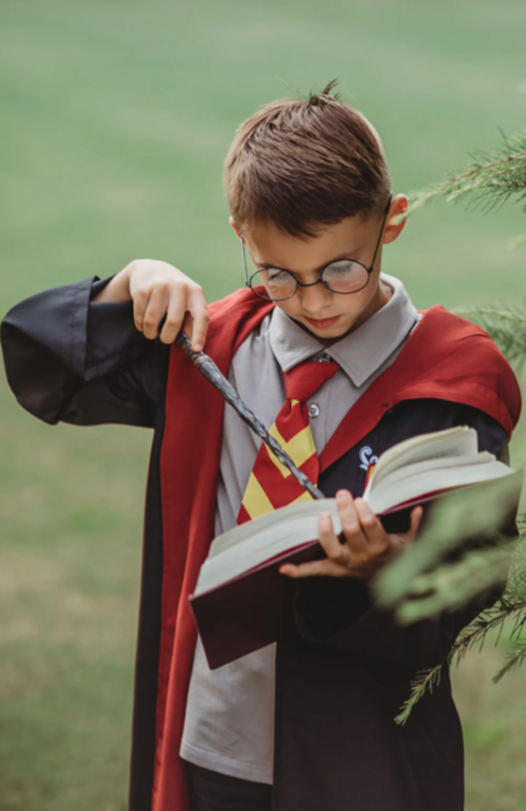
(299, 164)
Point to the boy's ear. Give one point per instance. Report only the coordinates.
(234, 226)
(398, 206)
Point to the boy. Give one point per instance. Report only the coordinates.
(306, 724)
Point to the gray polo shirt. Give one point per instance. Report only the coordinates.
(229, 722)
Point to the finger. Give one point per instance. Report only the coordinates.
(407, 538)
(330, 542)
(372, 527)
(416, 519)
(155, 310)
(200, 320)
(174, 317)
(140, 298)
(352, 530)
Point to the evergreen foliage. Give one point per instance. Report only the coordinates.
(443, 572)
(490, 179)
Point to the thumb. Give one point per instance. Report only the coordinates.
(406, 539)
(416, 518)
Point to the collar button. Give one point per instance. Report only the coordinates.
(314, 410)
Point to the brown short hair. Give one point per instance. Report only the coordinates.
(300, 164)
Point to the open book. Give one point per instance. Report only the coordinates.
(240, 596)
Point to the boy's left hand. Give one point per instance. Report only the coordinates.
(367, 548)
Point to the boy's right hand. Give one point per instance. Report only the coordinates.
(158, 289)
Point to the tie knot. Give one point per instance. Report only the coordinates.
(306, 378)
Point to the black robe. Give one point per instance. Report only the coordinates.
(85, 363)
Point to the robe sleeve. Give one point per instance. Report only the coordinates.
(74, 360)
(341, 612)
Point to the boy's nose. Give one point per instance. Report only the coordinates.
(314, 298)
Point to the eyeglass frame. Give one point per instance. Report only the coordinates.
(368, 270)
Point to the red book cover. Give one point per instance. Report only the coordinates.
(249, 611)
(254, 608)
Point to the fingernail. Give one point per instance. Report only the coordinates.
(325, 519)
(198, 347)
(341, 495)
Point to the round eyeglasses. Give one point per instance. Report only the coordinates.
(343, 276)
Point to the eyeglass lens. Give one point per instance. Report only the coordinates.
(343, 276)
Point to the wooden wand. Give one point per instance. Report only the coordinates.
(208, 368)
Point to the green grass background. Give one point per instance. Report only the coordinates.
(115, 119)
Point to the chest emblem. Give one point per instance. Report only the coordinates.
(367, 457)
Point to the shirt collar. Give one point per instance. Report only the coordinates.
(361, 352)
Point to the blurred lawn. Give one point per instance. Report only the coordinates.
(116, 117)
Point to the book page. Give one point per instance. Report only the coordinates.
(396, 477)
(432, 481)
(259, 526)
(453, 442)
(263, 538)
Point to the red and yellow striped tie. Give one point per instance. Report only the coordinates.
(270, 484)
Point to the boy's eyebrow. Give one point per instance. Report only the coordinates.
(347, 255)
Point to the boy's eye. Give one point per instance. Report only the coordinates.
(341, 267)
(278, 276)
(345, 276)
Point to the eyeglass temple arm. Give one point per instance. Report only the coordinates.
(208, 369)
(388, 206)
(247, 282)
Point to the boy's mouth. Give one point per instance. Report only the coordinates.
(323, 323)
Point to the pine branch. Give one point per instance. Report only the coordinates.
(452, 585)
(475, 633)
(423, 683)
(516, 583)
(419, 584)
(511, 606)
(513, 661)
(491, 177)
(453, 520)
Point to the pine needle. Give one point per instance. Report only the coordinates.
(513, 661)
(474, 634)
(423, 683)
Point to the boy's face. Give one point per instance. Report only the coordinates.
(327, 315)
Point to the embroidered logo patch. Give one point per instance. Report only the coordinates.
(367, 457)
